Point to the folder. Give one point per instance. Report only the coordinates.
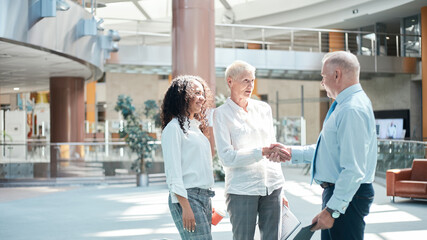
(289, 223)
(305, 233)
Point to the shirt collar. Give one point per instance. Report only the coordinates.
(347, 92)
(194, 123)
(236, 107)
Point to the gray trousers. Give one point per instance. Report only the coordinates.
(243, 211)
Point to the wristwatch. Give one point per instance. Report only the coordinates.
(334, 213)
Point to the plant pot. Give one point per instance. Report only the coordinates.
(142, 180)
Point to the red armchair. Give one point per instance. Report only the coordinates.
(408, 182)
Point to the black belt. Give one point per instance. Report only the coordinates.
(326, 185)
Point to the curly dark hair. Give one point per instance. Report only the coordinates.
(177, 101)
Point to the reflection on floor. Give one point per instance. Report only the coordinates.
(127, 212)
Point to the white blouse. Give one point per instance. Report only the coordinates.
(239, 138)
(187, 157)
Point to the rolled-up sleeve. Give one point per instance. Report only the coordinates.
(171, 148)
(226, 152)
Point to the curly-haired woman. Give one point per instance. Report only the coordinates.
(187, 156)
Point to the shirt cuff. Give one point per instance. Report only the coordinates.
(336, 204)
(297, 155)
(258, 154)
(177, 189)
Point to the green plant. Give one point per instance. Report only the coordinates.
(217, 169)
(6, 135)
(151, 111)
(137, 139)
(220, 99)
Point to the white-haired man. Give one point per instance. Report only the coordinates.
(345, 156)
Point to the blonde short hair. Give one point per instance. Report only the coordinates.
(237, 68)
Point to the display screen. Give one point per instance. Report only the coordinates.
(390, 128)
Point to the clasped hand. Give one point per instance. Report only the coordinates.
(279, 153)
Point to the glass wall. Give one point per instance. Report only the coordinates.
(411, 40)
(398, 154)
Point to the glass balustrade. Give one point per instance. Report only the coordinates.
(398, 154)
(33, 160)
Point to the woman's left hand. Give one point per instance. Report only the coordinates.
(285, 201)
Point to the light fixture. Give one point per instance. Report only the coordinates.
(86, 27)
(5, 55)
(16, 89)
(109, 42)
(61, 5)
(41, 9)
(99, 21)
(114, 35)
(98, 5)
(387, 38)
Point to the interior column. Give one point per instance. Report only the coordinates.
(193, 42)
(193, 39)
(67, 115)
(91, 106)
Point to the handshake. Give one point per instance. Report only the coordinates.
(277, 152)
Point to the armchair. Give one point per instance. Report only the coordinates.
(408, 182)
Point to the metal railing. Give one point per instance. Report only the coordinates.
(289, 39)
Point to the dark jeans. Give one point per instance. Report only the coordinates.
(351, 224)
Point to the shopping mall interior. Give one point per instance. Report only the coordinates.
(65, 65)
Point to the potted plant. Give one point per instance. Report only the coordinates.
(152, 114)
(137, 139)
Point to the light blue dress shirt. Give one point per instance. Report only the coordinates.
(347, 151)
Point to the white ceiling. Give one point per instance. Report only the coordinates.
(154, 16)
(29, 68)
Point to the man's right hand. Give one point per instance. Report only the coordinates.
(280, 153)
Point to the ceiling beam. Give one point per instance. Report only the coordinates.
(225, 4)
(137, 5)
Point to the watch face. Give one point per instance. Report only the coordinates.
(335, 214)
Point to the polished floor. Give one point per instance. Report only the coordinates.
(123, 211)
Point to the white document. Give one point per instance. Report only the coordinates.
(289, 223)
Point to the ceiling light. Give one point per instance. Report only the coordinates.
(5, 55)
(15, 88)
(61, 5)
(98, 5)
